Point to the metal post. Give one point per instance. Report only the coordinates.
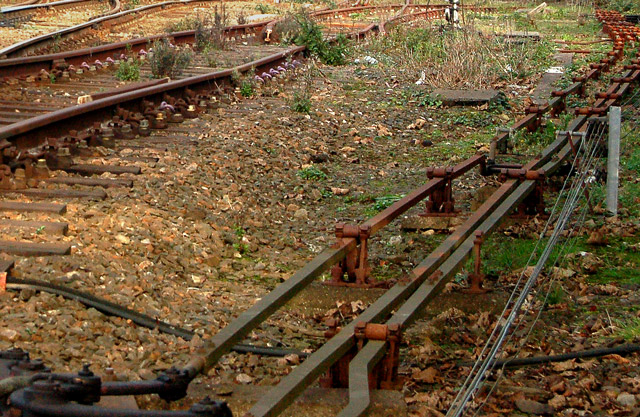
(613, 159)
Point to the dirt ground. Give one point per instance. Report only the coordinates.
(245, 195)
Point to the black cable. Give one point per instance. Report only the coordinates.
(140, 319)
(581, 354)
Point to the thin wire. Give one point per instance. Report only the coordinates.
(512, 296)
(523, 316)
(483, 366)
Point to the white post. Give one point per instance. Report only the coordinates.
(613, 159)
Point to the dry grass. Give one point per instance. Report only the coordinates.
(459, 59)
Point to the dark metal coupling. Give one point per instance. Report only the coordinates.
(175, 381)
(210, 408)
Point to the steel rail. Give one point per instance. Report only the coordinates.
(23, 47)
(30, 133)
(20, 13)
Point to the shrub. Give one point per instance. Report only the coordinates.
(168, 60)
(310, 34)
(210, 31)
(128, 71)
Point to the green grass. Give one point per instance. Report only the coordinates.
(630, 329)
(381, 203)
(312, 174)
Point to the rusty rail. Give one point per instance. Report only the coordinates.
(29, 45)
(13, 15)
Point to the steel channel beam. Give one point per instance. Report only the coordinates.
(396, 209)
(293, 384)
(373, 351)
(224, 340)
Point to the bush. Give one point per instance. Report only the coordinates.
(210, 31)
(302, 30)
(168, 60)
(310, 34)
(128, 71)
(246, 89)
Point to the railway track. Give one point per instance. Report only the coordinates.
(358, 347)
(64, 38)
(12, 16)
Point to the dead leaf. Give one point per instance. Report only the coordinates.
(427, 376)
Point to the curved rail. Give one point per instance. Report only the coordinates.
(39, 42)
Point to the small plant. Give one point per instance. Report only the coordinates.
(241, 18)
(210, 56)
(52, 78)
(310, 34)
(381, 203)
(556, 295)
(168, 60)
(247, 89)
(264, 8)
(630, 330)
(312, 173)
(131, 4)
(210, 32)
(128, 71)
(301, 102)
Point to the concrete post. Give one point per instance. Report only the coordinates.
(613, 159)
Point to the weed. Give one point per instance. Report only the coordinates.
(300, 29)
(168, 60)
(301, 102)
(624, 6)
(265, 8)
(630, 330)
(52, 78)
(247, 89)
(131, 4)
(312, 173)
(241, 18)
(464, 58)
(381, 203)
(241, 248)
(238, 231)
(556, 295)
(128, 71)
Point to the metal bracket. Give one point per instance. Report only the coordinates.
(476, 278)
(355, 264)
